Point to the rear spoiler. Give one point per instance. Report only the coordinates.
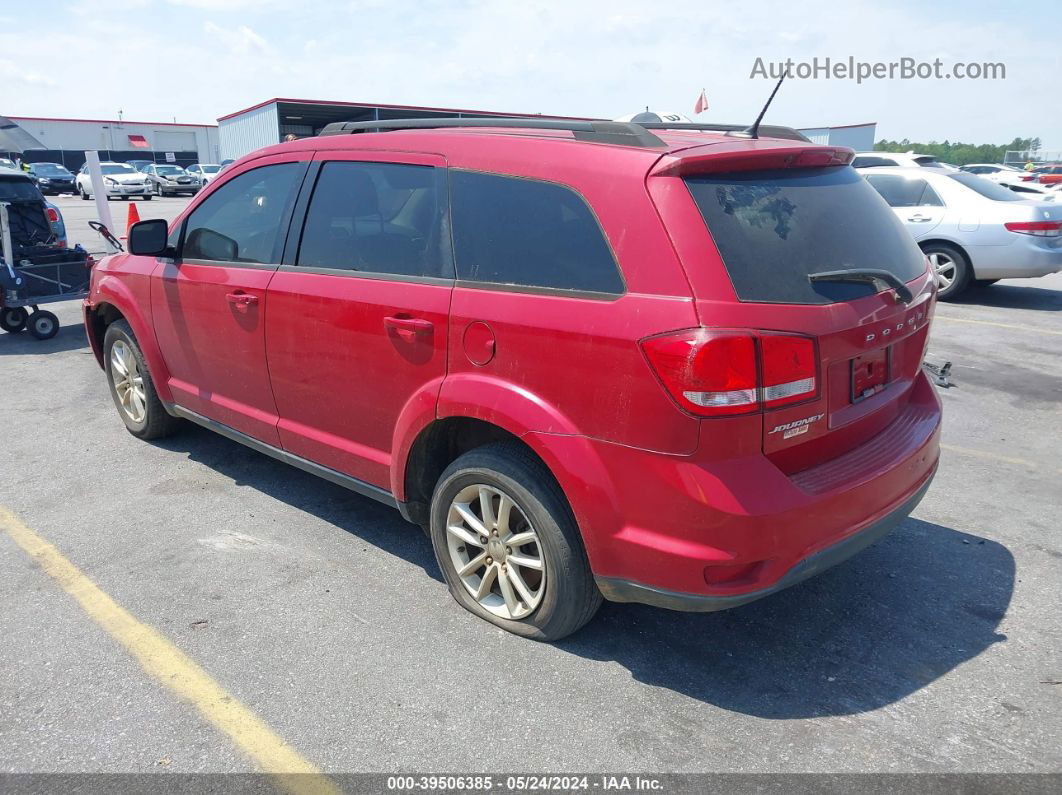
(750, 155)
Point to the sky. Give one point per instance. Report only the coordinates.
(195, 60)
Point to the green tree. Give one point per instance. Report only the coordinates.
(960, 153)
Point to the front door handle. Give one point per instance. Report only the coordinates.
(918, 218)
(241, 300)
(408, 327)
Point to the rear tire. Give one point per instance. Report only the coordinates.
(42, 324)
(131, 386)
(13, 319)
(147, 197)
(951, 269)
(540, 587)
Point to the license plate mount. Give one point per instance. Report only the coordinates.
(870, 373)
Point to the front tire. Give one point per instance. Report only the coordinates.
(131, 386)
(42, 325)
(508, 545)
(84, 196)
(951, 268)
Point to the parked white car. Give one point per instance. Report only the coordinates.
(886, 159)
(121, 179)
(203, 172)
(973, 231)
(996, 172)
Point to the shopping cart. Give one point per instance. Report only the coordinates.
(34, 275)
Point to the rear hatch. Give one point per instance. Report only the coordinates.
(27, 211)
(792, 243)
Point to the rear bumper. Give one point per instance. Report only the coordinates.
(616, 590)
(718, 531)
(1025, 259)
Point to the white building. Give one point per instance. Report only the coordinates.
(66, 140)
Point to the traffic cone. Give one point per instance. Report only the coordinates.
(132, 218)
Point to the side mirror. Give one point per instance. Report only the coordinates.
(148, 238)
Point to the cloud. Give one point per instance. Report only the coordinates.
(241, 39)
(10, 71)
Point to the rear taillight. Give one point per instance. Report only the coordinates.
(53, 214)
(1038, 228)
(712, 373)
(788, 369)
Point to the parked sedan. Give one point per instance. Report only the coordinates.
(170, 180)
(1049, 175)
(972, 230)
(887, 159)
(52, 178)
(203, 172)
(122, 180)
(995, 172)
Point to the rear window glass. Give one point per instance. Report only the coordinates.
(775, 228)
(904, 191)
(990, 190)
(509, 230)
(872, 162)
(18, 189)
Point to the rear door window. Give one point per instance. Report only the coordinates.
(775, 228)
(515, 231)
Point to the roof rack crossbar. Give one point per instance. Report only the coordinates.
(596, 131)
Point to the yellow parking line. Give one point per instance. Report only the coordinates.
(171, 667)
(1013, 326)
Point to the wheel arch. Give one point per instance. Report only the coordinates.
(114, 301)
(922, 244)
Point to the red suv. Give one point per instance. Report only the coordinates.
(672, 366)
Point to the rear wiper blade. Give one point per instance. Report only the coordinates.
(867, 276)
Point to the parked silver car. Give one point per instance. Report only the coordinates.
(167, 179)
(973, 231)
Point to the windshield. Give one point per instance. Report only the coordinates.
(117, 168)
(775, 228)
(50, 170)
(169, 170)
(211, 169)
(990, 190)
(6, 163)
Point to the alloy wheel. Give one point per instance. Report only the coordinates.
(943, 269)
(128, 382)
(496, 551)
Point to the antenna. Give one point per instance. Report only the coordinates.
(754, 130)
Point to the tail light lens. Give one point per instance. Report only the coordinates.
(1038, 228)
(53, 214)
(788, 369)
(714, 373)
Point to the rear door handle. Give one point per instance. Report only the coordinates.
(242, 299)
(408, 327)
(919, 218)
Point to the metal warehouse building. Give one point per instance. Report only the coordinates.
(66, 140)
(859, 137)
(271, 121)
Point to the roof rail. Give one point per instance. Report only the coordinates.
(603, 132)
(766, 130)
